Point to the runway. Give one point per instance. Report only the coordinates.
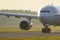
(27, 34)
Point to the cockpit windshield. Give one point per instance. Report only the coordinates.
(44, 11)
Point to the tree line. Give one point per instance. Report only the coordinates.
(19, 11)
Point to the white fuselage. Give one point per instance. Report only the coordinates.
(50, 14)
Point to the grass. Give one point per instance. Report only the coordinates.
(17, 29)
(33, 29)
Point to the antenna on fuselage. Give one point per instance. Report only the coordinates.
(51, 4)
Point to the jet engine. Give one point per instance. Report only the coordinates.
(25, 25)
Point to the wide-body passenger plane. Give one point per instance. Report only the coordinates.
(48, 15)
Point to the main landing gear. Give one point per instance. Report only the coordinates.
(46, 29)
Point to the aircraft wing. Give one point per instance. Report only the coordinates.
(19, 15)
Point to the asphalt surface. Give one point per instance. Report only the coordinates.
(27, 34)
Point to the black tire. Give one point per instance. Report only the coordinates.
(46, 30)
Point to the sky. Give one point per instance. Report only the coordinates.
(33, 5)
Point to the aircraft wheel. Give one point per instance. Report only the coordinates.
(46, 30)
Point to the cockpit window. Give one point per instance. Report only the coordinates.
(44, 11)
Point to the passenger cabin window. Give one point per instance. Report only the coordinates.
(44, 11)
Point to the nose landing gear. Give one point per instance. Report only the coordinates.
(46, 29)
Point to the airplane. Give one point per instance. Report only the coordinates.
(48, 15)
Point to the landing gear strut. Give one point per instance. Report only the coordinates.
(46, 29)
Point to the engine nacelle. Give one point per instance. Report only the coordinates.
(25, 25)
